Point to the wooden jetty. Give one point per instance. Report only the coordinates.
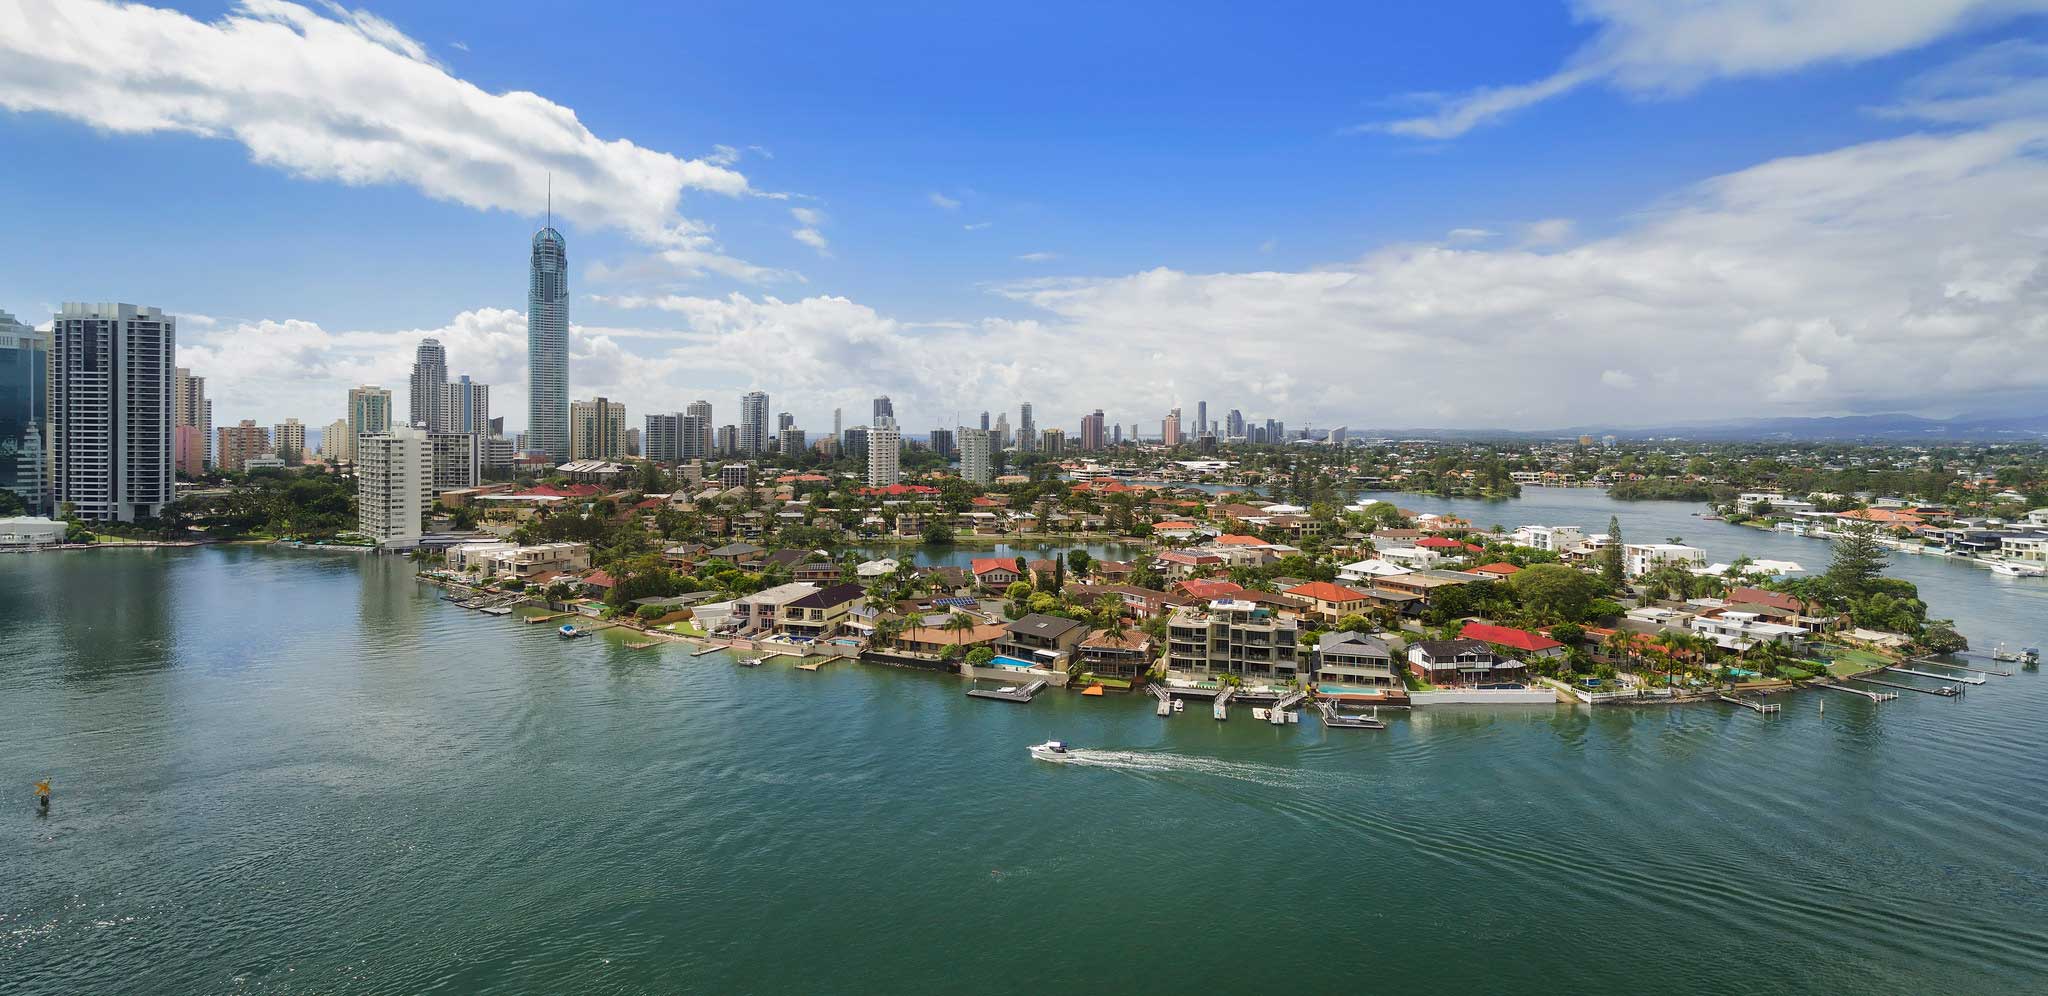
(1165, 700)
(1937, 677)
(1761, 708)
(641, 644)
(1930, 662)
(551, 617)
(1290, 700)
(1949, 690)
(1866, 693)
(714, 648)
(1012, 694)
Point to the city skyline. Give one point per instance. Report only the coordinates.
(1593, 224)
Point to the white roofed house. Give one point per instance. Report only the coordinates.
(759, 611)
(1366, 570)
(1736, 630)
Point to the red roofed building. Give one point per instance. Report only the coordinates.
(1330, 602)
(1519, 640)
(1207, 589)
(551, 491)
(1232, 539)
(1444, 544)
(1497, 570)
(995, 572)
(598, 583)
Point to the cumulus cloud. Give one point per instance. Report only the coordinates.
(810, 219)
(1900, 274)
(342, 96)
(1659, 48)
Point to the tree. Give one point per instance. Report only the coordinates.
(1940, 637)
(938, 534)
(1859, 562)
(1553, 592)
(980, 656)
(1078, 562)
(959, 624)
(1611, 571)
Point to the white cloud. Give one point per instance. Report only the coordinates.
(807, 216)
(1548, 232)
(813, 238)
(942, 202)
(1662, 48)
(1038, 257)
(459, 46)
(976, 226)
(1902, 274)
(347, 98)
(1467, 235)
(1995, 83)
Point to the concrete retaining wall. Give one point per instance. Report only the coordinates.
(1057, 679)
(1484, 696)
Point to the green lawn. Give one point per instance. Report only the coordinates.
(685, 627)
(1845, 661)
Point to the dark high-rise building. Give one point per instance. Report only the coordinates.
(883, 406)
(942, 442)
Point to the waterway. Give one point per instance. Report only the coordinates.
(285, 771)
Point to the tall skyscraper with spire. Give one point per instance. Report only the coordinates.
(547, 344)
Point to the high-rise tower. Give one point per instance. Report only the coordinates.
(110, 409)
(547, 346)
(429, 385)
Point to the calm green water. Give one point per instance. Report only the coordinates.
(300, 772)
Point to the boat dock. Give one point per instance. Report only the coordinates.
(709, 650)
(1012, 694)
(1338, 721)
(1165, 700)
(1931, 662)
(551, 617)
(1937, 677)
(1221, 709)
(1290, 700)
(1949, 690)
(1761, 708)
(1872, 696)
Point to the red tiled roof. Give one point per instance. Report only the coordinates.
(1231, 539)
(983, 565)
(1760, 596)
(1176, 524)
(1324, 591)
(1439, 542)
(598, 579)
(1507, 636)
(1502, 569)
(1208, 589)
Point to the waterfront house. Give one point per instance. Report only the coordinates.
(1348, 658)
(820, 613)
(934, 640)
(526, 563)
(757, 613)
(1778, 607)
(816, 572)
(1529, 646)
(995, 573)
(1461, 662)
(1048, 641)
(1496, 572)
(1204, 589)
(1229, 636)
(1736, 630)
(1330, 602)
(1122, 654)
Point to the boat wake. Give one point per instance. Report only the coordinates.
(1147, 761)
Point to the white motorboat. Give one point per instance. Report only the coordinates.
(1179, 704)
(1055, 751)
(2008, 569)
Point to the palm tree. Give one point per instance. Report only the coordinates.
(959, 624)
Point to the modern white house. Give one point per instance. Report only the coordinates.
(1366, 570)
(1743, 630)
(2024, 549)
(1555, 539)
(1642, 558)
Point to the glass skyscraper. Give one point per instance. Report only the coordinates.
(547, 347)
(24, 409)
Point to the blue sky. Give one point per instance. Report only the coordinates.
(1609, 212)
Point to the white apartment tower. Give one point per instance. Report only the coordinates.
(885, 450)
(394, 481)
(974, 456)
(111, 410)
